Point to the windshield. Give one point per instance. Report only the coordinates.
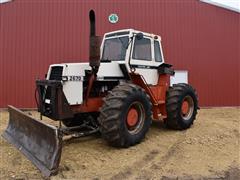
(115, 49)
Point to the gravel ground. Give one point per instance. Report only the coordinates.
(208, 150)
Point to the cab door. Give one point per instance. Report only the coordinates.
(143, 59)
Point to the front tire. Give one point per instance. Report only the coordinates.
(181, 105)
(125, 116)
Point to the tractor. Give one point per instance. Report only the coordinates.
(118, 93)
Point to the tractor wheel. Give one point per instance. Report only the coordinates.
(182, 105)
(125, 116)
(79, 119)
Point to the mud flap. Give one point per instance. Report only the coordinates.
(39, 142)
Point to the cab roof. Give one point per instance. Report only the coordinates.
(128, 32)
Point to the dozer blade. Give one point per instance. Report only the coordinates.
(39, 142)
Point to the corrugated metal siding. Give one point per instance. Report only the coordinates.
(198, 37)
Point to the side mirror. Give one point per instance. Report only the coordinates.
(139, 36)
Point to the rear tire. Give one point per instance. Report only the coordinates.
(181, 105)
(125, 116)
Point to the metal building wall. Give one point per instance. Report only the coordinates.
(198, 37)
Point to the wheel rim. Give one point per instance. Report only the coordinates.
(187, 108)
(135, 118)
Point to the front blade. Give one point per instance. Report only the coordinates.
(39, 142)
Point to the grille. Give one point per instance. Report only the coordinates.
(56, 73)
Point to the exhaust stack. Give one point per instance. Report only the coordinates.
(94, 43)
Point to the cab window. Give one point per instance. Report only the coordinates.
(142, 49)
(115, 48)
(157, 51)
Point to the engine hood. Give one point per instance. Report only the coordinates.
(106, 69)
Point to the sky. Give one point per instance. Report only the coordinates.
(234, 4)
